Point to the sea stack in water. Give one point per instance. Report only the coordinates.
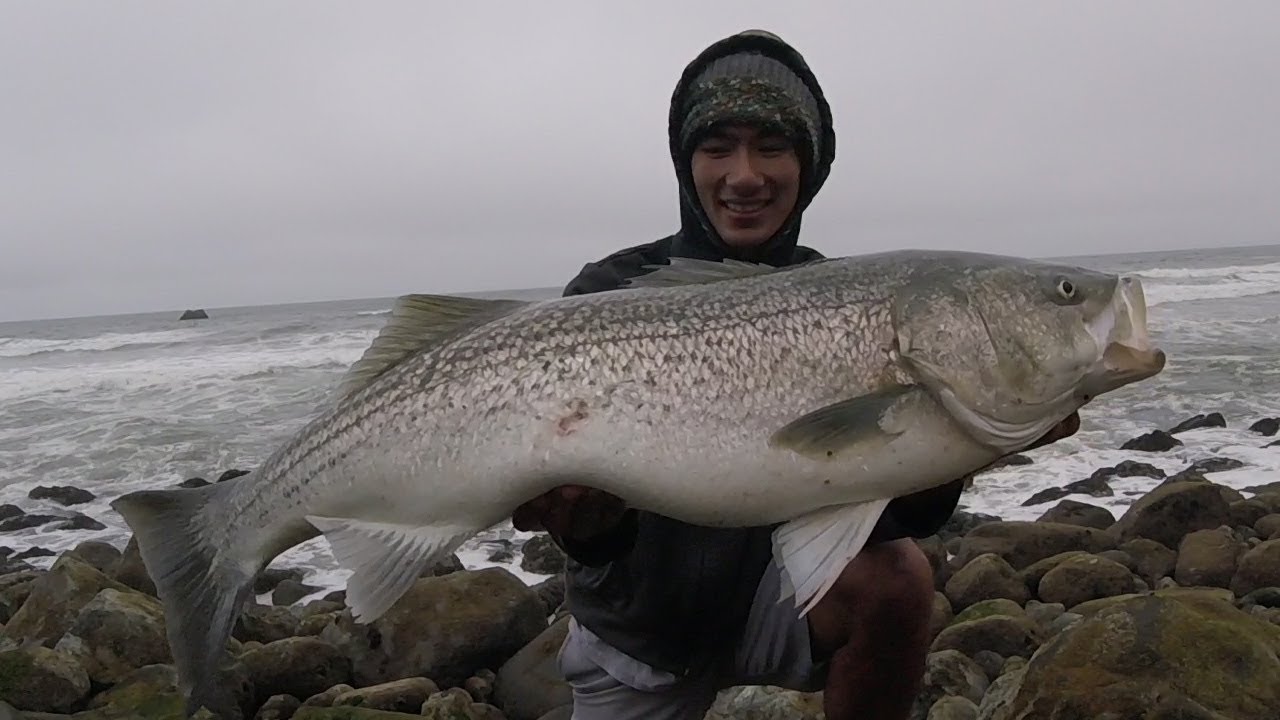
(197, 314)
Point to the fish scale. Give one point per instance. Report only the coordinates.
(722, 394)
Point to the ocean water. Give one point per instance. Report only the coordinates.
(119, 403)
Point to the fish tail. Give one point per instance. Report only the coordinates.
(202, 583)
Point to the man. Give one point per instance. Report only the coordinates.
(666, 613)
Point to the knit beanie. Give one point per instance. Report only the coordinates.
(751, 88)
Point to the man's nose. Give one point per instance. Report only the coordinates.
(743, 174)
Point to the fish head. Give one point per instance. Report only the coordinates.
(1012, 347)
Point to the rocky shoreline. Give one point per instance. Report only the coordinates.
(1169, 611)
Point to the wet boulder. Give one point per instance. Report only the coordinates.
(1169, 512)
(1153, 656)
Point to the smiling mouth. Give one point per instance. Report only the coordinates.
(745, 207)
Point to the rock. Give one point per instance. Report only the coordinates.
(551, 593)
(326, 698)
(940, 615)
(42, 680)
(1264, 596)
(949, 673)
(1133, 468)
(1071, 512)
(1153, 656)
(151, 693)
(194, 482)
(763, 702)
(953, 708)
(278, 707)
(34, 552)
(990, 662)
(55, 601)
(1014, 460)
(986, 608)
(61, 494)
(985, 576)
(265, 624)
(1268, 526)
(936, 553)
(1258, 568)
(353, 713)
(480, 686)
(291, 591)
(1000, 634)
(194, 314)
(1151, 559)
(530, 684)
(1154, 441)
(1033, 573)
(1266, 426)
(102, 556)
(28, 520)
(1022, 543)
(1044, 614)
(1212, 420)
(1247, 512)
(1212, 465)
(301, 667)
(15, 588)
(232, 475)
(10, 511)
(1121, 557)
(961, 523)
(1208, 558)
(132, 572)
(1169, 512)
(444, 567)
(268, 579)
(456, 704)
(1046, 495)
(478, 618)
(542, 555)
(407, 695)
(77, 521)
(116, 633)
(1083, 578)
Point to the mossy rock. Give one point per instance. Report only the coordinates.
(350, 713)
(39, 679)
(1151, 654)
(987, 608)
(1091, 607)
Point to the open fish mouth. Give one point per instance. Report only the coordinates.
(1128, 353)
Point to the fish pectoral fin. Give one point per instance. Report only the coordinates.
(385, 558)
(813, 549)
(692, 271)
(870, 418)
(419, 321)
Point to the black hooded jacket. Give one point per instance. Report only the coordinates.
(664, 592)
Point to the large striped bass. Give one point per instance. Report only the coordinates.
(721, 394)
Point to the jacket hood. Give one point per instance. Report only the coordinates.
(752, 76)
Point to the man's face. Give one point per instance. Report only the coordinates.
(747, 182)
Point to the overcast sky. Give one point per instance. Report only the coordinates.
(158, 155)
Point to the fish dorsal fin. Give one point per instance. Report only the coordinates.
(418, 321)
(691, 271)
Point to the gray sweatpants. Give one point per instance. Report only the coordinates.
(773, 649)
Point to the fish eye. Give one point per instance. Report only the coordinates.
(1066, 289)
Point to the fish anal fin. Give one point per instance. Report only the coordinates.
(385, 558)
(418, 321)
(834, 428)
(813, 549)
